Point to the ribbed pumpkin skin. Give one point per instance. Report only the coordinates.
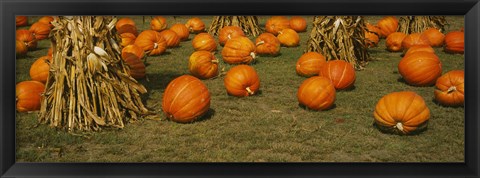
(26, 37)
(297, 23)
(434, 36)
(316, 93)
(276, 23)
(340, 72)
(414, 39)
(172, 39)
(151, 42)
(21, 21)
(267, 44)
(373, 29)
(185, 99)
(420, 68)
(229, 32)
(203, 64)
(454, 42)
(288, 37)
(40, 30)
(28, 94)
(158, 23)
(40, 69)
(127, 39)
(309, 64)
(195, 25)
(20, 48)
(132, 55)
(401, 112)
(181, 30)
(387, 25)
(126, 25)
(204, 42)
(371, 39)
(417, 48)
(241, 81)
(132, 50)
(449, 88)
(238, 50)
(46, 20)
(394, 41)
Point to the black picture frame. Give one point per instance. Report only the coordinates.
(9, 8)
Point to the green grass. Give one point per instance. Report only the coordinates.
(268, 127)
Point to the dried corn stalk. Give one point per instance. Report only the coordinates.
(339, 37)
(249, 24)
(417, 24)
(89, 86)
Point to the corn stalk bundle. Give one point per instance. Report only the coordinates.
(417, 24)
(339, 37)
(249, 24)
(88, 86)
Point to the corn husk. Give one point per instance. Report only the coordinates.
(249, 24)
(417, 24)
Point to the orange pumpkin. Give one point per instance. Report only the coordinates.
(371, 39)
(204, 42)
(151, 42)
(420, 68)
(46, 20)
(28, 94)
(435, 37)
(158, 23)
(21, 21)
(26, 37)
(401, 112)
(373, 29)
(387, 25)
(181, 30)
(417, 48)
(195, 25)
(394, 41)
(454, 42)
(171, 38)
(126, 25)
(414, 39)
(309, 64)
(185, 99)
(316, 93)
(20, 48)
(268, 44)
(203, 64)
(238, 50)
(229, 32)
(297, 23)
(449, 88)
(40, 30)
(40, 69)
(276, 23)
(132, 50)
(132, 55)
(340, 72)
(288, 37)
(127, 39)
(241, 80)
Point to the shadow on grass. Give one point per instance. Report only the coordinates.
(311, 110)
(157, 82)
(445, 106)
(394, 131)
(347, 89)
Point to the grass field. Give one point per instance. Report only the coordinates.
(268, 127)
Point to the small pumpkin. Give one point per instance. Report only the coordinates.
(414, 39)
(171, 38)
(297, 23)
(242, 80)
(204, 42)
(387, 25)
(239, 50)
(417, 48)
(203, 64)
(181, 30)
(229, 32)
(316, 93)
(449, 88)
(309, 64)
(288, 37)
(276, 23)
(394, 41)
(435, 37)
(47, 20)
(195, 25)
(401, 112)
(371, 39)
(21, 21)
(340, 72)
(26, 37)
(185, 99)
(20, 48)
(267, 44)
(454, 42)
(126, 25)
(158, 23)
(40, 30)
(28, 95)
(132, 50)
(151, 42)
(40, 69)
(420, 68)
(373, 29)
(132, 55)
(127, 39)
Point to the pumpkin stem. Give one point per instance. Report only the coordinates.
(399, 126)
(215, 61)
(253, 55)
(260, 43)
(155, 45)
(229, 37)
(250, 92)
(451, 89)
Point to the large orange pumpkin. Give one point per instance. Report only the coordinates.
(127, 39)
(316, 93)
(309, 64)
(46, 20)
(185, 99)
(288, 37)
(241, 80)
(40, 68)
(40, 30)
(132, 55)
(27, 37)
(171, 38)
(449, 88)
(276, 23)
(387, 25)
(435, 37)
(238, 50)
(340, 72)
(195, 25)
(21, 21)
(420, 68)
(414, 39)
(401, 112)
(297, 23)
(394, 41)
(28, 94)
(203, 64)
(417, 48)
(158, 23)
(126, 25)
(267, 44)
(181, 30)
(151, 42)
(20, 48)
(204, 42)
(229, 32)
(454, 42)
